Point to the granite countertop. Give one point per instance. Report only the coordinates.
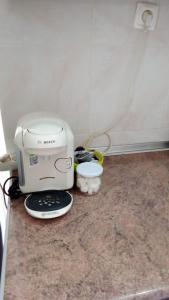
(114, 245)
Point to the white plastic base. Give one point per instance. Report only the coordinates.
(48, 214)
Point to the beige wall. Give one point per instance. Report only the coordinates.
(84, 60)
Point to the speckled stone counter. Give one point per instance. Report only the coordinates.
(114, 245)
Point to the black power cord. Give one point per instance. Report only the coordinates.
(14, 191)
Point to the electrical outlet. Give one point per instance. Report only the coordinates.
(146, 16)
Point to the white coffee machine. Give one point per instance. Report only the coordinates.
(45, 154)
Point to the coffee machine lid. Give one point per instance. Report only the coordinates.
(40, 128)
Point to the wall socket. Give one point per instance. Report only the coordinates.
(146, 16)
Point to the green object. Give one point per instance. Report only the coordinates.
(98, 155)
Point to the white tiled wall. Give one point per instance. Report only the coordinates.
(84, 60)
